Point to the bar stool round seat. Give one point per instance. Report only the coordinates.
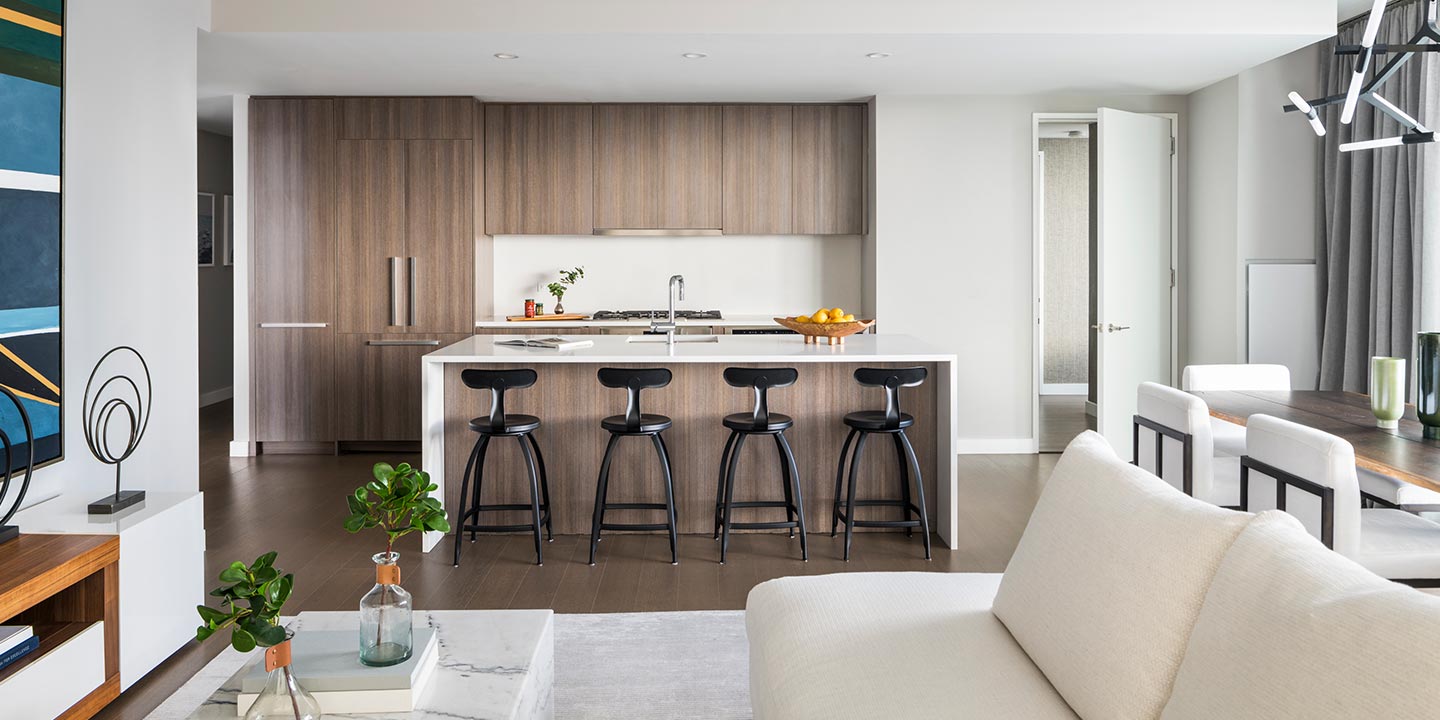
(649, 424)
(875, 421)
(514, 424)
(745, 422)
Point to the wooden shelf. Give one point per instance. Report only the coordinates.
(62, 585)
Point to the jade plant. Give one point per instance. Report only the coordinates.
(250, 604)
(567, 278)
(398, 502)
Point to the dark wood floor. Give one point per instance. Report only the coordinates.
(1062, 417)
(295, 504)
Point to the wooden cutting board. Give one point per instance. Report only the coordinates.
(544, 318)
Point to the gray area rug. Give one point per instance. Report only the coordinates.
(638, 666)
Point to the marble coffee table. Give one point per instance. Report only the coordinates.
(493, 664)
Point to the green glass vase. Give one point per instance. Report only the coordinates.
(1427, 382)
(1387, 391)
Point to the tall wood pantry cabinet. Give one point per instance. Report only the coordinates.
(400, 203)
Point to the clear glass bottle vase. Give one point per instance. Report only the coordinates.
(386, 634)
(283, 697)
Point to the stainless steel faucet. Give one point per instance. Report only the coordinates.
(669, 327)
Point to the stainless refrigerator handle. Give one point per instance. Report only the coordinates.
(402, 343)
(410, 299)
(394, 291)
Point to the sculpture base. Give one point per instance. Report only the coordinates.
(111, 504)
(9, 532)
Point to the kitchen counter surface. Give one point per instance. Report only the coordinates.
(725, 349)
(763, 321)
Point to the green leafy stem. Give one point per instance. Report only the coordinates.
(251, 604)
(567, 277)
(398, 501)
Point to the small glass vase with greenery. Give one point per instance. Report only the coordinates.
(251, 601)
(397, 501)
(567, 279)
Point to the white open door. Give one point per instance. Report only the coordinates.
(1134, 222)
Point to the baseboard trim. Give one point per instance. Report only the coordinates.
(217, 395)
(1064, 389)
(242, 448)
(1092, 409)
(995, 446)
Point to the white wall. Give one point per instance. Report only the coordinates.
(1252, 195)
(954, 246)
(738, 275)
(129, 233)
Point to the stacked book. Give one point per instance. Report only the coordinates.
(327, 663)
(16, 641)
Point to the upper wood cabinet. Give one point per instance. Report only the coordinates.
(829, 170)
(407, 118)
(539, 170)
(758, 171)
(440, 236)
(370, 207)
(292, 181)
(657, 166)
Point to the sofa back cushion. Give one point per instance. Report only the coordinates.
(1108, 580)
(1290, 629)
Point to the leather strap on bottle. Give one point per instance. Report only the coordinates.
(277, 656)
(387, 574)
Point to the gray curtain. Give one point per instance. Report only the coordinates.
(1369, 226)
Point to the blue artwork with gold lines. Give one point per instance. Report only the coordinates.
(31, 56)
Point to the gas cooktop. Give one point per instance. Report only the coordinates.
(655, 315)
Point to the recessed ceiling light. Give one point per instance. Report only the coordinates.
(694, 55)
(877, 55)
(507, 56)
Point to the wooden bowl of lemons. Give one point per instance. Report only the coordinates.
(833, 324)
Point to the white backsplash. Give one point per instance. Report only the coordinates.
(738, 275)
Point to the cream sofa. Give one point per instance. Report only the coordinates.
(1125, 599)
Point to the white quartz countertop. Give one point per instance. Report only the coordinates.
(725, 349)
(499, 321)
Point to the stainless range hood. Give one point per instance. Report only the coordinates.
(667, 232)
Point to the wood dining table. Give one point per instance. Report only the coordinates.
(1403, 453)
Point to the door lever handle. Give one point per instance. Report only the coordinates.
(1109, 327)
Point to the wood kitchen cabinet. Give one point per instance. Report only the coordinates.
(407, 118)
(370, 204)
(377, 378)
(758, 173)
(829, 169)
(292, 372)
(657, 166)
(539, 170)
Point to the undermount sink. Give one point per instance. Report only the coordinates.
(678, 339)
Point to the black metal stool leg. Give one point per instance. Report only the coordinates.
(544, 488)
(904, 478)
(919, 492)
(660, 450)
(720, 483)
(850, 493)
(479, 477)
(534, 498)
(785, 481)
(600, 497)
(464, 488)
(839, 483)
(730, 495)
(794, 475)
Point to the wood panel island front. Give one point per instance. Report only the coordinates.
(570, 403)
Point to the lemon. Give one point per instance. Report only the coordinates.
(803, 318)
(821, 316)
(848, 318)
(837, 313)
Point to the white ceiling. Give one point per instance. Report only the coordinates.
(775, 50)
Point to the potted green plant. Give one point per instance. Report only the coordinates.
(567, 278)
(251, 601)
(398, 502)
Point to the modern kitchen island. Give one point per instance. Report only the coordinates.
(570, 403)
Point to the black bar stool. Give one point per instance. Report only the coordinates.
(634, 423)
(759, 422)
(892, 422)
(500, 424)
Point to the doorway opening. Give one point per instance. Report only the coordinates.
(1105, 282)
(1065, 248)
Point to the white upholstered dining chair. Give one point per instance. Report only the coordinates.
(1229, 437)
(1311, 475)
(1172, 440)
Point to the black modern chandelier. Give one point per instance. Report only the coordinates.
(1366, 53)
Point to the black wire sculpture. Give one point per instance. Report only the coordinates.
(117, 394)
(7, 472)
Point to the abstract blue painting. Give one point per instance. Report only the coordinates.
(31, 53)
